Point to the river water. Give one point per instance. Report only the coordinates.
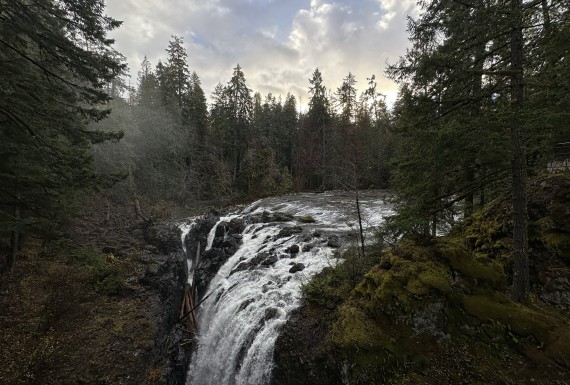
(240, 321)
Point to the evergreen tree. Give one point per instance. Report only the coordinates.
(198, 108)
(346, 142)
(240, 108)
(313, 150)
(463, 98)
(221, 142)
(176, 75)
(55, 61)
(288, 132)
(148, 92)
(200, 161)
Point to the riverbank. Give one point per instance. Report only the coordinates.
(437, 311)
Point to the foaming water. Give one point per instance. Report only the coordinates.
(240, 322)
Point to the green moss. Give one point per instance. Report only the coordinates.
(559, 350)
(354, 329)
(404, 284)
(558, 243)
(461, 259)
(439, 280)
(520, 319)
(559, 212)
(306, 219)
(416, 287)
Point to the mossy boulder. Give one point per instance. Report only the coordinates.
(354, 329)
(483, 270)
(306, 219)
(403, 285)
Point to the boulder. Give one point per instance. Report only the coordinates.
(270, 261)
(334, 241)
(293, 249)
(288, 231)
(297, 267)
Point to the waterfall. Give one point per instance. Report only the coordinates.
(256, 289)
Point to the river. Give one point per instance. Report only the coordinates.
(240, 321)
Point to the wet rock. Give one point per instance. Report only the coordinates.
(252, 263)
(270, 261)
(268, 217)
(334, 241)
(293, 249)
(218, 241)
(316, 234)
(288, 231)
(297, 267)
(245, 304)
(230, 242)
(270, 313)
(307, 247)
(198, 234)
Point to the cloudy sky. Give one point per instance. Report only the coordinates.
(278, 43)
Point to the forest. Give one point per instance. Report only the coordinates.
(483, 102)
(468, 107)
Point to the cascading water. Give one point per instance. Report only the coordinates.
(256, 289)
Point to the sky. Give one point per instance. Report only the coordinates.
(278, 43)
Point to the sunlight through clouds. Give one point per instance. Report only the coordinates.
(277, 43)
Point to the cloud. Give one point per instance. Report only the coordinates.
(277, 43)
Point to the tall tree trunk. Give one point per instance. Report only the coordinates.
(15, 236)
(361, 230)
(323, 179)
(520, 214)
(470, 196)
(15, 233)
(546, 17)
(482, 199)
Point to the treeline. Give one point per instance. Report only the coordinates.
(178, 147)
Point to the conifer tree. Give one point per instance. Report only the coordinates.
(55, 61)
(240, 108)
(313, 146)
(462, 113)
